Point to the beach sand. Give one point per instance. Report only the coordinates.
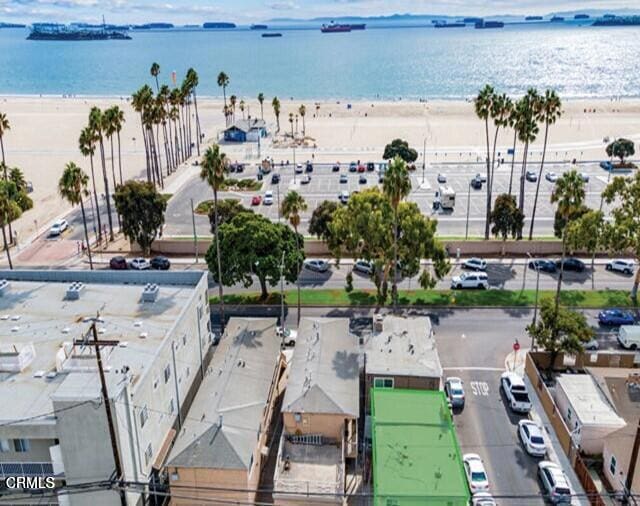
(44, 136)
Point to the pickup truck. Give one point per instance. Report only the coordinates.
(516, 392)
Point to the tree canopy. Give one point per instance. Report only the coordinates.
(321, 218)
(621, 148)
(142, 210)
(227, 210)
(400, 148)
(507, 220)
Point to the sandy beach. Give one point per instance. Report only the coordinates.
(44, 136)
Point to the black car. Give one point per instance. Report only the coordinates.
(233, 167)
(240, 167)
(571, 264)
(362, 180)
(118, 263)
(335, 168)
(275, 178)
(160, 263)
(542, 265)
(476, 184)
(309, 167)
(371, 166)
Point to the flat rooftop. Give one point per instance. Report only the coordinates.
(415, 449)
(588, 400)
(38, 323)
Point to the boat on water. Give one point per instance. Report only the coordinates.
(472, 20)
(53, 31)
(259, 27)
(533, 18)
(218, 25)
(481, 25)
(335, 28)
(270, 35)
(450, 25)
(557, 19)
(154, 26)
(581, 16)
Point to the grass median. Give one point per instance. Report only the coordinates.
(419, 298)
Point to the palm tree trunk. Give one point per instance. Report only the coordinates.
(6, 247)
(198, 132)
(560, 274)
(95, 196)
(394, 269)
(146, 148)
(261, 111)
(522, 179)
(106, 188)
(119, 157)
(488, 210)
(86, 234)
(4, 163)
(176, 143)
(513, 161)
(220, 290)
(535, 200)
(113, 175)
(490, 184)
(295, 229)
(157, 145)
(182, 144)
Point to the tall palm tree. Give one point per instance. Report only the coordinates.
(109, 127)
(261, 100)
(483, 103)
(4, 128)
(569, 196)
(96, 124)
(527, 127)
(9, 211)
(192, 77)
(139, 101)
(73, 188)
(396, 187)
(550, 111)
(232, 102)
(155, 72)
(118, 123)
(303, 111)
(275, 103)
(214, 166)
(513, 123)
(291, 121)
(223, 82)
(87, 147)
(292, 205)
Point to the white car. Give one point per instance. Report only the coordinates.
(363, 266)
(516, 392)
(480, 177)
(554, 482)
(620, 265)
(475, 264)
(483, 499)
(442, 178)
(454, 391)
(288, 336)
(591, 344)
(140, 264)
(476, 475)
(470, 280)
(268, 198)
(316, 265)
(343, 197)
(532, 438)
(58, 227)
(299, 169)
(585, 177)
(552, 177)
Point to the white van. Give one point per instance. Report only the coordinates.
(629, 336)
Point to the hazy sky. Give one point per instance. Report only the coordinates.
(244, 11)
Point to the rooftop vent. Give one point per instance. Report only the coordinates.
(4, 287)
(150, 292)
(74, 289)
(16, 357)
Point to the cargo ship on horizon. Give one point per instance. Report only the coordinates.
(334, 27)
(55, 31)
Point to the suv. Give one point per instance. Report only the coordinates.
(571, 264)
(160, 263)
(554, 482)
(343, 197)
(619, 265)
(470, 280)
(475, 264)
(140, 264)
(455, 392)
(371, 166)
(275, 178)
(476, 183)
(516, 392)
(118, 263)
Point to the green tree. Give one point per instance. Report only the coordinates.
(275, 103)
(527, 126)
(569, 196)
(507, 220)
(586, 233)
(214, 166)
(155, 72)
(4, 128)
(621, 148)
(227, 210)
(321, 219)
(559, 220)
(291, 122)
(142, 209)
(253, 245)
(22, 199)
(9, 211)
(223, 82)
(549, 112)
(261, 100)
(398, 147)
(622, 233)
(292, 205)
(302, 110)
(560, 330)
(73, 188)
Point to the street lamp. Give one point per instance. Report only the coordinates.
(294, 165)
(466, 229)
(282, 296)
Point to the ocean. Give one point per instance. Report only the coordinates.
(377, 63)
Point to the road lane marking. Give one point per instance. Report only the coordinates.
(480, 388)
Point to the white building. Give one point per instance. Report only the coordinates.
(52, 419)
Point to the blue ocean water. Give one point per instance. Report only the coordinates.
(579, 61)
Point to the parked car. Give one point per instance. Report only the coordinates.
(336, 167)
(571, 264)
(620, 265)
(470, 280)
(454, 391)
(361, 168)
(140, 264)
(160, 263)
(256, 200)
(58, 227)
(532, 438)
(353, 166)
(539, 264)
(309, 167)
(475, 264)
(275, 178)
(616, 317)
(288, 336)
(584, 176)
(316, 265)
(118, 263)
(371, 166)
(531, 176)
(268, 198)
(482, 178)
(482, 499)
(299, 169)
(344, 178)
(591, 344)
(606, 165)
(306, 179)
(629, 337)
(380, 178)
(442, 178)
(516, 392)
(363, 266)
(476, 475)
(552, 177)
(476, 184)
(554, 482)
(240, 167)
(343, 197)
(362, 179)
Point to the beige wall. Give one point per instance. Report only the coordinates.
(200, 479)
(618, 445)
(330, 426)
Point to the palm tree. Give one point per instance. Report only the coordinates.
(9, 211)
(140, 100)
(569, 196)
(109, 127)
(155, 71)
(96, 124)
(550, 112)
(527, 127)
(291, 121)
(261, 100)
(483, 104)
(86, 144)
(73, 188)
(4, 128)
(192, 77)
(513, 122)
(303, 111)
(213, 169)
(232, 102)
(396, 186)
(118, 123)
(292, 205)
(223, 82)
(500, 111)
(275, 103)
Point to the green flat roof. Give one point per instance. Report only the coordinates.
(416, 457)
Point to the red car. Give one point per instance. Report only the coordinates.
(361, 168)
(256, 201)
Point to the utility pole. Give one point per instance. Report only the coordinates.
(195, 235)
(105, 398)
(466, 228)
(282, 299)
(632, 464)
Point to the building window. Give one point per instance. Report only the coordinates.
(144, 415)
(382, 382)
(297, 417)
(4, 445)
(167, 373)
(21, 445)
(148, 453)
(175, 476)
(612, 465)
(171, 407)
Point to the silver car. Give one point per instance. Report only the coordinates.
(454, 391)
(316, 265)
(363, 266)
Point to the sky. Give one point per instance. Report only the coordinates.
(248, 11)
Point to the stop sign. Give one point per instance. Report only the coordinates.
(516, 346)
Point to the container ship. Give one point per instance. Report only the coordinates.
(335, 28)
(218, 25)
(489, 24)
(154, 26)
(52, 31)
(557, 19)
(581, 16)
(358, 26)
(270, 35)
